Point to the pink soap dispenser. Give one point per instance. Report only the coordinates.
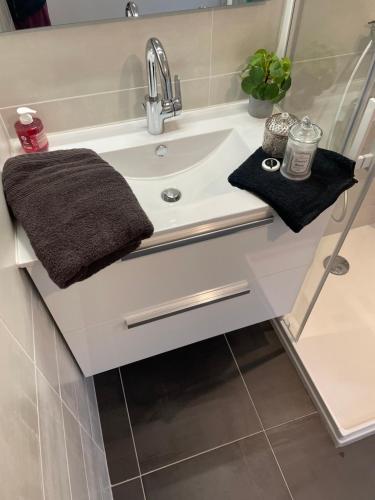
(30, 131)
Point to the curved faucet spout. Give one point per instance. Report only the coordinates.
(155, 51)
(159, 109)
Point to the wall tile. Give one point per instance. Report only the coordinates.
(109, 107)
(75, 457)
(55, 470)
(94, 58)
(45, 350)
(96, 470)
(342, 28)
(69, 374)
(83, 404)
(20, 457)
(239, 32)
(15, 306)
(226, 88)
(84, 111)
(96, 429)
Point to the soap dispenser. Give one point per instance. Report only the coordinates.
(30, 131)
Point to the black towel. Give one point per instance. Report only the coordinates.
(297, 202)
(78, 212)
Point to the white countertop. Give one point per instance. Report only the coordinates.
(217, 206)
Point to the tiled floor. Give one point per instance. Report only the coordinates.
(224, 419)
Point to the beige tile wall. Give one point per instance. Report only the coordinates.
(92, 74)
(50, 437)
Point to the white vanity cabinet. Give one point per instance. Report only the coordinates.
(152, 303)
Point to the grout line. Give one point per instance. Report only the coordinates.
(315, 412)
(84, 462)
(261, 423)
(126, 481)
(37, 401)
(7, 329)
(5, 128)
(69, 409)
(211, 56)
(202, 453)
(106, 92)
(62, 413)
(66, 449)
(132, 434)
(313, 59)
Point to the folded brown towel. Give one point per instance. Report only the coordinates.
(78, 212)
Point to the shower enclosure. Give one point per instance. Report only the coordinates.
(330, 333)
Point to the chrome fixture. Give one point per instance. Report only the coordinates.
(339, 266)
(160, 108)
(131, 10)
(171, 195)
(161, 151)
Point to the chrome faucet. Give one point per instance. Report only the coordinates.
(131, 10)
(159, 108)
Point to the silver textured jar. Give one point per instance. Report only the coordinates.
(276, 134)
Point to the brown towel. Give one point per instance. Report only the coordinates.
(78, 212)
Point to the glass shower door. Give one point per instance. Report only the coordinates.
(363, 149)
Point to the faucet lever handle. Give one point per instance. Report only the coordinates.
(177, 101)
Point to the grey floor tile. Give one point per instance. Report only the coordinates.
(131, 490)
(315, 469)
(186, 401)
(122, 464)
(274, 385)
(241, 471)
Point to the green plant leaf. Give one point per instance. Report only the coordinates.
(256, 60)
(261, 51)
(247, 85)
(255, 93)
(286, 64)
(279, 97)
(262, 91)
(271, 91)
(286, 84)
(276, 71)
(256, 75)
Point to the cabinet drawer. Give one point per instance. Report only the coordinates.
(110, 344)
(140, 283)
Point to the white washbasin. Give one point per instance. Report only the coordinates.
(204, 147)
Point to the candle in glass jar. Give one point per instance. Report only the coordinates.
(303, 140)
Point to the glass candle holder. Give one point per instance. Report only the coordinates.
(303, 140)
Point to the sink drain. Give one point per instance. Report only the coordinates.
(339, 266)
(171, 195)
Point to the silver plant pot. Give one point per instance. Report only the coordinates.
(260, 109)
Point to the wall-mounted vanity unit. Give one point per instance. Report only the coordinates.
(219, 260)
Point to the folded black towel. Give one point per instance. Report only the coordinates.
(297, 202)
(78, 212)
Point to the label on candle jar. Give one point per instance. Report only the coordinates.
(300, 162)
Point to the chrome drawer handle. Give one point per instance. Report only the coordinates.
(195, 235)
(187, 303)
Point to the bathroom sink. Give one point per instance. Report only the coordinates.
(193, 158)
(171, 157)
(197, 167)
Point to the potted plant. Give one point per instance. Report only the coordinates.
(266, 79)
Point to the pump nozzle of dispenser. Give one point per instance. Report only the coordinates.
(25, 115)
